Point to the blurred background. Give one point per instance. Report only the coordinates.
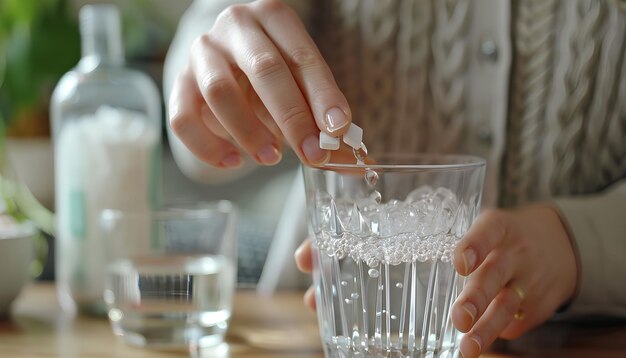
(39, 42)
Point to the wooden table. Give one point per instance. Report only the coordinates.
(277, 326)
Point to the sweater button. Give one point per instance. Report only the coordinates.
(489, 51)
(484, 135)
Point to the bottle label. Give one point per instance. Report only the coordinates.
(77, 214)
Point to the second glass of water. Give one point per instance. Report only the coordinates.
(171, 274)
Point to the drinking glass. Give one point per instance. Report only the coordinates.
(382, 238)
(171, 274)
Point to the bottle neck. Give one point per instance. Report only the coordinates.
(101, 35)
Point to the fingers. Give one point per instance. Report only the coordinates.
(513, 263)
(303, 257)
(305, 264)
(482, 288)
(498, 316)
(483, 236)
(225, 98)
(213, 124)
(309, 297)
(258, 70)
(328, 105)
(259, 108)
(186, 122)
(258, 57)
(487, 304)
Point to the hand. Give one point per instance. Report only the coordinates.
(253, 79)
(305, 264)
(522, 268)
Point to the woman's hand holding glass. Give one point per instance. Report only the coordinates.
(257, 77)
(521, 268)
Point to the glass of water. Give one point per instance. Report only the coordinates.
(171, 274)
(382, 237)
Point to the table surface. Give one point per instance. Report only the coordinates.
(276, 326)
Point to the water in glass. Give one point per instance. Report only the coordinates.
(169, 300)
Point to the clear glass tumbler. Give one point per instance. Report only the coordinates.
(382, 237)
(171, 274)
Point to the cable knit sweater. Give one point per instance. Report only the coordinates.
(538, 87)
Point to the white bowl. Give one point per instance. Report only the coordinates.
(16, 256)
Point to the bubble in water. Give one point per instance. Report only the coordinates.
(391, 233)
(371, 177)
(393, 316)
(399, 285)
(344, 283)
(380, 288)
(373, 273)
(378, 314)
(372, 262)
(354, 295)
(395, 260)
(347, 301)
(375, 195)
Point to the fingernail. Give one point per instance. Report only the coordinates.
(478, 343)
(312, 151)
(335, 119)
(232, 160)
(268, 155)
(471, 346)
(471, 310)
(469, 258)
(298, 251)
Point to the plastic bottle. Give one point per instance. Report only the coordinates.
(106, 122)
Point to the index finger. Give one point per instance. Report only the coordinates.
(328, 104)
(484, 235)
(259, 59)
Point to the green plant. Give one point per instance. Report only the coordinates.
(38, 43)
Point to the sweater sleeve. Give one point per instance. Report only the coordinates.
(597, 227)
